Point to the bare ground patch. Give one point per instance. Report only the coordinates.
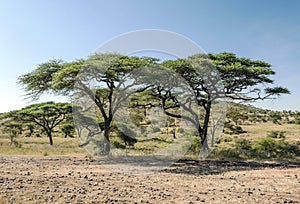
(82, 180)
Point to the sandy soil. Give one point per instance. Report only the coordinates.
(82, 180)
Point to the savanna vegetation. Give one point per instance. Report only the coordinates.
(210, 80)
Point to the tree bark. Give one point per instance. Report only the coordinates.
(50, 137)
(204, 143)
(106, 143)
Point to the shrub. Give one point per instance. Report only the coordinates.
(225, 152)
(226, 139)
(68, 130)
(117, 144)
(126, 134)
(297, 120)
(180, 130)
(195, 146)
(273, 148)
(236, 130)
(276, 134)
(243, 144)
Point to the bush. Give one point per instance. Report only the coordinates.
(243, 144)
(117, 144)
(297, 120)
(226, 139)
(195, 146)
(180, 130)
(264, 148)
(274, 148)
(68, 130)
(236, 130)
(225, 152)
(276, 134)
(126, 134)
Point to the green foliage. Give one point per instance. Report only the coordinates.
(234, 129)
(30, 128)
(12, 126)
(47, 115)
(237, 130)
(241, 73)
(40, 80)
(126, 134)
(180, 130)
(263, 148)
(275, 117)
(136, 117)
(195, 146)
(73, 78)
(225, 139)
(68, 130)
(225, 152)
(272, 148)
(297, 120)
(243, 144)
(241, 77)
(117, 144)
(276, 134)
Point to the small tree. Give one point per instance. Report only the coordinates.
(46, 115)
(11, 125)
(276, 117)
(13, 129)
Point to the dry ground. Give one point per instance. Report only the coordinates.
(33, 179)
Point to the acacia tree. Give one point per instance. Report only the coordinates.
(47, 115)
(74, 79)
(242, 79)
(11, 125)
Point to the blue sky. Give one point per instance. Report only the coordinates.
(33, 32)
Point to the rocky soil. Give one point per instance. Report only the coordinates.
(83, 180)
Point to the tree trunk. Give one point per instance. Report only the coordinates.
(106, 143)
(204, 143)
(49, 133)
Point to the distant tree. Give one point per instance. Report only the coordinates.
(46, 115)
(30, 128)
(68, 130)
(276, 117)
(11, 125)
(297, 117)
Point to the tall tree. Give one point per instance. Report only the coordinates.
(216, 76)
(76, 78)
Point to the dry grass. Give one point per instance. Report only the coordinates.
(70, 146)
(255, 131)
(40, 146)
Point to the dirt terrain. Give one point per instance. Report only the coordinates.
(83, 180)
